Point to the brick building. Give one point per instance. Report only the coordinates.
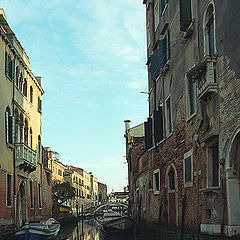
(193, 129)
(23, 176)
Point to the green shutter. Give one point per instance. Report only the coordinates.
(185, 14)
(6, 64)
(13, 69)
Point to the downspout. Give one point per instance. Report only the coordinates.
(14, 159)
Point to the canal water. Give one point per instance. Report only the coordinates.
(89, 230)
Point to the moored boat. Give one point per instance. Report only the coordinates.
(39, 231)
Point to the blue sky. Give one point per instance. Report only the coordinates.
(91, 56)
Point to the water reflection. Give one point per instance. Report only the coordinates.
(86, 230)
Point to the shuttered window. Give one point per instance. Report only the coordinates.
(185, 14)
(158, 124)
(31, 194)
(188, 169)
(40, 195)
(148, 133)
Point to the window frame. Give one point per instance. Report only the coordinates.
(31, 193)
(156, 13)
(186, 156)
(155, 190)
(39, 195)
(168, 116)
(191, 102)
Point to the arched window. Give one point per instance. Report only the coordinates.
(16, 115)
(21, 127)
(26, 132)
(31, 94)
(209, 31)
(171, 179)
(20, 81)
(17, 76)
(25, 87)
(31, 138)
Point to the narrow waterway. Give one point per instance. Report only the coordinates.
(89, 230)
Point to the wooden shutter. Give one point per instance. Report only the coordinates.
(7, 126)
(11, 129)
(6, 64)
(13, 69)
(185, 14)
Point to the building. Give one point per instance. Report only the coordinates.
(102, 192)
(22, 173)
(193, 127)
(56, 166)
(94, 189)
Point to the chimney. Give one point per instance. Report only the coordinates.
(39, 80)
(127, 125)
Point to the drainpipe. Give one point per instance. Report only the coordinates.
(14, 160)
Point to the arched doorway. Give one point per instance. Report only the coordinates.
(171, 186)
(233, 181)
(21, 205)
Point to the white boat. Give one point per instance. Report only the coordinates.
(39, 231)
(114, 223)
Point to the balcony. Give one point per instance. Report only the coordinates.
(26, 158)
(207, 81)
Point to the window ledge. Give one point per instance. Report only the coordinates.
(161, 142)
(191, 116)
(209, 189)
(9, 78)
(8, 206)
(188, 184)
(169, 135)
(156, 192)
(164, 10)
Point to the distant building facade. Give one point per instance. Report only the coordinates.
(102, 192)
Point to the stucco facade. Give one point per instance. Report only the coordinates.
(22, 172)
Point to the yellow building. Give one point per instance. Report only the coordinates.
(21, 169)
(56, 166)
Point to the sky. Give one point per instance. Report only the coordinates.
(91, 56)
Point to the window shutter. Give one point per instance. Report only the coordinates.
(162, 52)
(7, 127)
(13, 69)
(168, 44)
(11, 129)
(6, 63)
(145, 135)
(160, 115)
(150, 132)
(185, 14)
(162, 5)
(156, 126)
(155, 68)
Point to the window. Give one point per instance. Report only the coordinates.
(188, 169)
(9, 127)
(26, 132)
(156, 181)
(168, 116)
(17, 76)
(9, 190)
(165, 48)
(185, 14)
(148, 31)
(31, 194)
(9, 66)
(171, 179)
(209, 31)
(21, 82)
(148, 133)
(39, 105)
(21, 127)
(213, 166)
(25, 87)
(31, 94)
(156, 14)
(163, 4)
(191, 98)
(31, 138)
(158, 124)
(53, 169)
(40, 195)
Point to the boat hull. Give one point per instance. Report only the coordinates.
(38, 231)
